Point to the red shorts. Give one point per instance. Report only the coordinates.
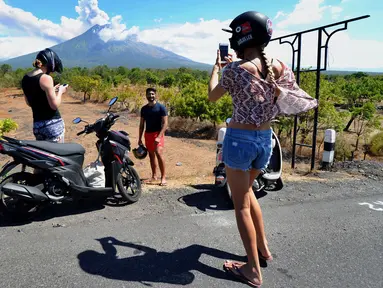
(150, 144)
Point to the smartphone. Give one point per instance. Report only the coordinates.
(224, 51)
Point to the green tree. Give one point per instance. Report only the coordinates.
(137, 76)
(5, 68)
(193, 103)
(7, 125)
(85, 84)
(183, 79)
(364, 120)
(151, 78)
(376, 146)
(121, 70)
(168, 81)
(358, 91)
(329, 117)
(104, 71)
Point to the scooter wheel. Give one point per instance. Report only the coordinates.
(129, 185)
(278, 185)
(16, 209)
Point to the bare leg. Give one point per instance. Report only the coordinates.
(256, 215)
(161, 163)
(241, 193)
(153, 164)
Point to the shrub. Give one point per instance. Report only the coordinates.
(342, 148)
(7, 125)
(376, 146)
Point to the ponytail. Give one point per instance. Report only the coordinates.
(37, 63)
(270, 71)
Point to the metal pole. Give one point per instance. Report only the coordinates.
(318, 70)
(296, 117)
(317, 90)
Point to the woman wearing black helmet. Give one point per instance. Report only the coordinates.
(44, 98)
(247, 145)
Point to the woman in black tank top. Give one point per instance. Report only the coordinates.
(44, 98)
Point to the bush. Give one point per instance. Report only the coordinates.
(7, 125)
(85, 84)
(167, 96)
(342, 148)
(376, 146)
(102, 92)
(133, 98)
(193, 103)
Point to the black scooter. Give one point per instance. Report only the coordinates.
(59, 175)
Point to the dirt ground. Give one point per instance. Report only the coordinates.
(188, 161)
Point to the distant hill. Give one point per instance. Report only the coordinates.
(89, 50)
(340, 72)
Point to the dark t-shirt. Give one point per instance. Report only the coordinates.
(153, 116)
(37, 99)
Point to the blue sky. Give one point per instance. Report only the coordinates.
(177, 25)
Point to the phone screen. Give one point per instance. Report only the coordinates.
(224, 51)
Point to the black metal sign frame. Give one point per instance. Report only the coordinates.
(297, 51)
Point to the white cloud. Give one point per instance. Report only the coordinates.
(197, 41)
(159, 20)
(279, 14)
(346, 58)
(16, 18)
(90, 13)
(116, 30)
(338, 56)
(305, 12)
(14, 46)
(26, 22)
(43, 31)
(335, 11)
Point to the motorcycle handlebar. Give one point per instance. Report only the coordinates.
(89, 128)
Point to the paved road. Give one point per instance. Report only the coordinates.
(321, 234)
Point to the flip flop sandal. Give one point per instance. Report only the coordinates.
(270, 258)
(240, 276)
(236, 263)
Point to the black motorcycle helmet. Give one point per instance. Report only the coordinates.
(141, 152)
(50, 59)
(250, 29)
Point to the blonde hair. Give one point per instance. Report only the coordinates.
(270, 71)
(37, 63)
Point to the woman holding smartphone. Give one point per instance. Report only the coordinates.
(44, 98)
(254, 84)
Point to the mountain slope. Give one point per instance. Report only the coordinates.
(88, 50)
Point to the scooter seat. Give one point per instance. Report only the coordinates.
(60, 149)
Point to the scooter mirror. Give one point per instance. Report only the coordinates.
(112, 101)
(76, 120)
(228, 120)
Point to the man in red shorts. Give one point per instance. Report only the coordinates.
(154, 118)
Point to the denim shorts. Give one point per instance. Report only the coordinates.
(247, 149)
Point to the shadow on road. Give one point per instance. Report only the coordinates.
(50, 212)
(210, 197)
(149, 265)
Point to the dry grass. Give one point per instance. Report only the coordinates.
(197, 156)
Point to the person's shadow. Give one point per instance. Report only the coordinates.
(150, 265)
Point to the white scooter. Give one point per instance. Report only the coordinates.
(269, 179)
